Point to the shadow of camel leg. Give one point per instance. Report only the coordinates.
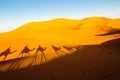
(34, 59)
(14, 65)
(60, 52)
(57, 53)
(41, 58)
(31, 63)
(19, 64)
(19, 54)
(5, 57)
(11, 66)
(44, 57)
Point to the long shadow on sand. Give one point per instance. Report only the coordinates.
(93, 62)
(40, 50)
(14, 63)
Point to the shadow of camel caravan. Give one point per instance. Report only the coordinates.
(7, 52)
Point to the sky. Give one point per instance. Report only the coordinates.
(15, 13)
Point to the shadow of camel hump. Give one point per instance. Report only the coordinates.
(7, 52)
(25, 50)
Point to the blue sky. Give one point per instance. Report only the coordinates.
(14, 13)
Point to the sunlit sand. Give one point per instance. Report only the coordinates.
(60, 33)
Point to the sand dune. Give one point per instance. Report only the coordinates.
(60, 32)
(62, 49)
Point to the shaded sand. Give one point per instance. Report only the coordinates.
(92, 62)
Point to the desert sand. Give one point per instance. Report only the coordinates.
(62, 49)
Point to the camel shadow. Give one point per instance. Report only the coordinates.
(26, 51)
(40, 50)
(58, 50)
(7, 52)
